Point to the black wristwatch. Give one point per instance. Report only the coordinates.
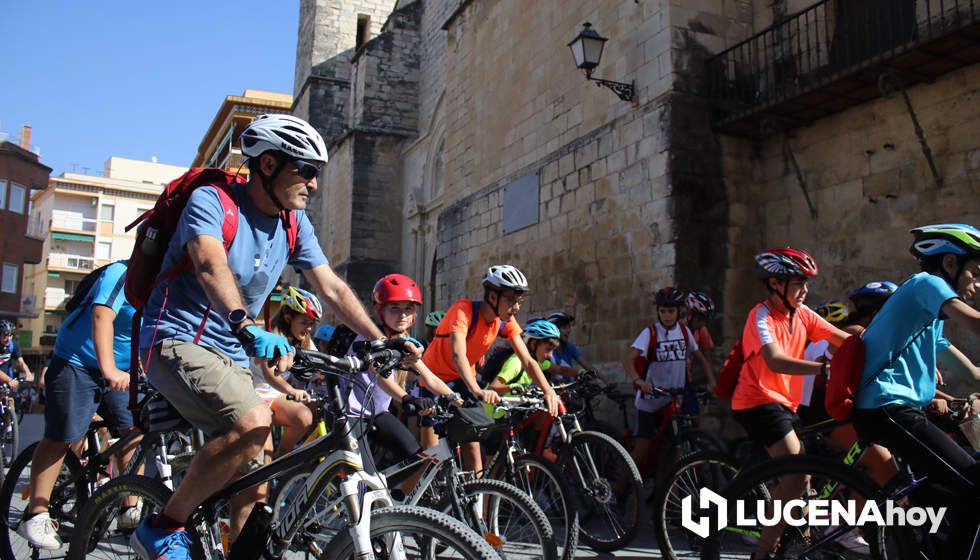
(824, 367)
(236, 318)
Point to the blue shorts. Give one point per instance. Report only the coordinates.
(73, 395)
(648, 424)
(456, 385)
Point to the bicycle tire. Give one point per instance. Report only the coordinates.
(702, 469)
(427, 523)
(67, 497)
(543, 481)
(885, 543)
(596, 464)
(95, 527)
(501, 503)
(10, 434)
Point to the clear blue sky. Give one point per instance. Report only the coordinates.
(135, 79)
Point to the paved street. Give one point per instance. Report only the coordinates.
(644, 546)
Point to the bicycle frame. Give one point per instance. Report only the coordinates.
(334, 455)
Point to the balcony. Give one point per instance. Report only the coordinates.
(55, 298)
(72, 221)
(834, 55)
(71, 263)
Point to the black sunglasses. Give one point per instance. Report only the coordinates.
(305, 170)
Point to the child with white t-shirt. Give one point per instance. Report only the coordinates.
(666, 366)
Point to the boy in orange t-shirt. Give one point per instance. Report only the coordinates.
(770, 385)
(463, 337)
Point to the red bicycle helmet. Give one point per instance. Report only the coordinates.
(397, 287)
(785, 262)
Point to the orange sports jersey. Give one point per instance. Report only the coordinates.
(438, 356)
(757, 384)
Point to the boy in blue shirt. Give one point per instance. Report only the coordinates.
(902, 345)
(88, 374)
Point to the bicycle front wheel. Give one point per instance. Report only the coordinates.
(10, 435)
(513, 525)
(608, 488)
(703, 469)
(412, 532)
(102, 530)
(752, 495)
(541, 479)
(69, 493)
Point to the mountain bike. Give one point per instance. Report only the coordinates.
(592, 462)
(506, 517)
(534, 474)
(373, 526)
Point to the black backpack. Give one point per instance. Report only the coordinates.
(82, 295)
(488, 371)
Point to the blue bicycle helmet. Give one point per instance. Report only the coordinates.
(874, 289)
(540, 330)
(324, 333)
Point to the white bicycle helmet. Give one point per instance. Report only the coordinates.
(505, 277)
(284, 133)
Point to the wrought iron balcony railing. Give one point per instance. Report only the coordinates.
(814, 49)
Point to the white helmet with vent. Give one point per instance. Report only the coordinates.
(504, 277)
(284, 133)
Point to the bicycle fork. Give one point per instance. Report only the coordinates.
(359, 501)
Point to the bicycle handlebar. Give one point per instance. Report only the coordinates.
(383, 357)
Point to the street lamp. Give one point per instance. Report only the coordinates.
(587, 51)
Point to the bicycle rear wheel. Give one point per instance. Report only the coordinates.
(703, 469)
(608, 488)
(101, 531)
(419, 532)
(67, 497)
(755, 490)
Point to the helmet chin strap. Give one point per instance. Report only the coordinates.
(493, 306)
(267, 183)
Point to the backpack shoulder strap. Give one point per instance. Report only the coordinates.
(473, 318)
(687, 335)
(652, 346)
(292, 229)
(229, 227)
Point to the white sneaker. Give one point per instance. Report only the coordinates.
(854, 542)
(41, 532)
(129, 518)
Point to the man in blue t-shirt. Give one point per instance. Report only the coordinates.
(902, 346)
(199, 330)
(88, 374)
(11, 357)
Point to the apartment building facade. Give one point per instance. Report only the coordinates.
(21, 173)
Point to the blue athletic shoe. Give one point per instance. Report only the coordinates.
(151, 543)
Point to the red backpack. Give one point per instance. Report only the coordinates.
(641, 363)
(157, 227)
(845, 374)
(845, 378)
(730, 371)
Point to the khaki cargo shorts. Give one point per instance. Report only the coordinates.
(206, 387)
